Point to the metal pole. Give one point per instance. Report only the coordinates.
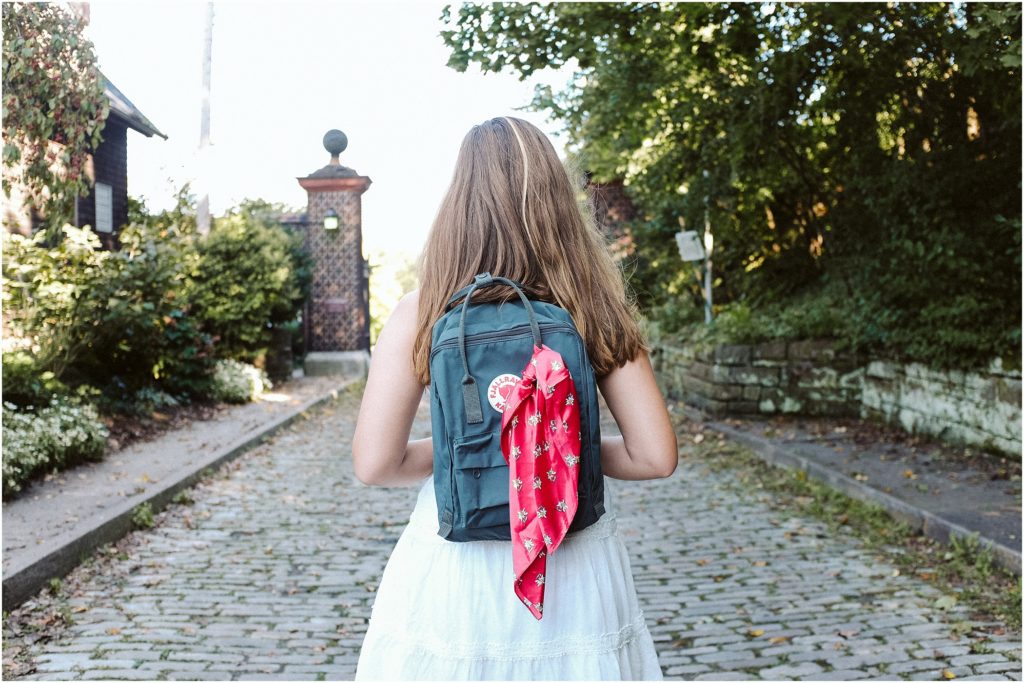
(708, 244)
(203, 208)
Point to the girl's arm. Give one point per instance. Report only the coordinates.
(647, 448)
(382, 454)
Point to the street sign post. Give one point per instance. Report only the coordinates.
(692, 250)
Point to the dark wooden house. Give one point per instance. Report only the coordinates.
(106, 206)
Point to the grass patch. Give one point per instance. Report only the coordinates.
(182, 497)
(963, 568)
(142, 516)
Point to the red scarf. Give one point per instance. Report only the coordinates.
(540, 438)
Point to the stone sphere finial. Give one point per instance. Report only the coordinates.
(335, 142)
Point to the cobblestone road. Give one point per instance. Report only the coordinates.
(270, 575)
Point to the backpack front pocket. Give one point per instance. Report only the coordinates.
(481, 476)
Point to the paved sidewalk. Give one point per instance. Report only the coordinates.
(271, 573)
(939, 488)
(52, 523)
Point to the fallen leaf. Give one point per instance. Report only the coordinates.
(778, 639)
(113, 631)
(760, 563)
(702, 562)
(756, 632)
(948, 675)
(909, 474)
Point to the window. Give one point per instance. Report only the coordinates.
(104, 208)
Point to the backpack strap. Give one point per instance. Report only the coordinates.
(470, 393)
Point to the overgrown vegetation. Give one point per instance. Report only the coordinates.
(170, 317)
(964, 567)
(54, 107)
(859, 160)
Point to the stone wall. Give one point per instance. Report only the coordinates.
(981, 409)
(811, 378)
(807, 378)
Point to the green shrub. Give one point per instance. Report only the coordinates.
(252, 274)
(26, 384)
(117, 320)
(146, 334)
(236, 382)
(59, 435)
(155, 313)
(46, 293)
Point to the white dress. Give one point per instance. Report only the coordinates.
(447, 611)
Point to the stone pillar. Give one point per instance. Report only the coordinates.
(337, 314)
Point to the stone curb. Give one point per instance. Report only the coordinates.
(929, 523)
(63, 553)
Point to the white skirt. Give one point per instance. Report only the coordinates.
(447, 611)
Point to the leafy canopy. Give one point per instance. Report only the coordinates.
(865, 155)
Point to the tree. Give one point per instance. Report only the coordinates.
(866, 152)
(52, 93)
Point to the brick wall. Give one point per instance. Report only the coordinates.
(336, 308)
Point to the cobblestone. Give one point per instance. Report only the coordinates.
(270, 575)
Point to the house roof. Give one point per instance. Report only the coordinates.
(124, 109)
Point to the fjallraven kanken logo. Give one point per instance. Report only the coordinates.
(475, 349)
(498, 390)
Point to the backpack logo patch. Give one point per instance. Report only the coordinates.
(499, 389)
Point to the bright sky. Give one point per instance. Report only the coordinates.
(283, 74)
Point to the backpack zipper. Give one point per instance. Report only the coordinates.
(518, 331)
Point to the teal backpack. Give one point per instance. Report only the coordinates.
(476, 350)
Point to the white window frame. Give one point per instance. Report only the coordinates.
(104, 207)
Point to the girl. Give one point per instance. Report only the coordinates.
(446, 610)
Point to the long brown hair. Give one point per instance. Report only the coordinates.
(512, 210)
